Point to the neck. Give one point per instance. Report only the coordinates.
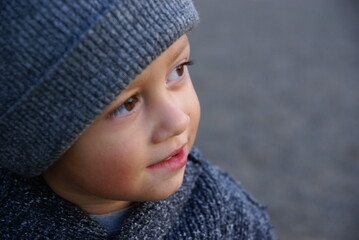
(89, 203)
(102, 207)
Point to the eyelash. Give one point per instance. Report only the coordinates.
(130, 102)
(134, 99)
(180, 67)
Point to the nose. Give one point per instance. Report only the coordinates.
(171, 119)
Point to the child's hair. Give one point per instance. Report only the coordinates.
(63, 61)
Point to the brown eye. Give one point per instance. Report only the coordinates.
(126, 107)
(180, 70)
(130, 103)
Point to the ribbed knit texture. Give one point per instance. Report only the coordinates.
(63, 61)
(209, 205)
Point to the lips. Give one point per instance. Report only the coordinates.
(174, 161)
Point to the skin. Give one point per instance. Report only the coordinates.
(107, 167)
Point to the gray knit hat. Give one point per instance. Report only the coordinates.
(63, 61)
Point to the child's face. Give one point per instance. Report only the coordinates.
(120, 157)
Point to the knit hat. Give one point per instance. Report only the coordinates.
(63, 61)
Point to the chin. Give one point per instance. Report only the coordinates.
(166, 190)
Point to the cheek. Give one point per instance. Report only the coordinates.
(194, 111)
(119, 162)
(107, 166)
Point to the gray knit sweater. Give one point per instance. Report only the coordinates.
(209, 205)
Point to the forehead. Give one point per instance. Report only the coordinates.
(165, 60)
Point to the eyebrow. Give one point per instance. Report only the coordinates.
(177, 52)
(180, 49)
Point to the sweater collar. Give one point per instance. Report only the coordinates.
(47, 213)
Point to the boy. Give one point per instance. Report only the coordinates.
(98, 120)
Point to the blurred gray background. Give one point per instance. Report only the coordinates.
(278, 81)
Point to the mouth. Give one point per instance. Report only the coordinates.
(176, 160)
